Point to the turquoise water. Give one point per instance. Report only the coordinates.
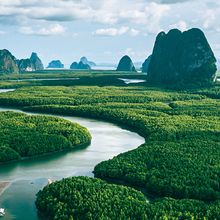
(29, 176)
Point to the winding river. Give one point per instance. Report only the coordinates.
(29, 176)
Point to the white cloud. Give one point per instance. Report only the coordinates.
(18, 2)
(148, 12)
(149, 16)
(134, 32)
(181, 25)
(111, 31)
(210, 18)
(136, 54)
(116, 31)
(108, 12)
(56, 29)
(170, 1)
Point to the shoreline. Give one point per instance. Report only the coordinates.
(3, 186)
(77, 148)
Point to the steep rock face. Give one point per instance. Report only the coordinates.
(7, 63)
(36, 62)
(145, 65)
(32, 64)
(55, 64)
(126, 64)
(25, 65)
(84, 60)
(74, 66)
(83, 66)
(80, 66)
(182, 57)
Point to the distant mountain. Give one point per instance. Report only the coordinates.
(25, 65)
(36, 61)
(182, 57)
(84, 60)
(74, 66)
(7, 63)
(80, 66)
(126, 64)
(55, 64)
(32, 64)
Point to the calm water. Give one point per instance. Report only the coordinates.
(132, 81)
(6, 90)
(29, 176)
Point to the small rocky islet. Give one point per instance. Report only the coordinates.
(126, 64)
(55, 64)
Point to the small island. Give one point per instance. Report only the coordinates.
(55, 64)
(126, 64)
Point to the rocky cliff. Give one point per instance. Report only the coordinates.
(126, 64)
(31, 64)
(145, 65)
(182, 57)
(36, 61)
(84, 60)
(25, 65)
(56, 64)
(7, 63)
(80, 66)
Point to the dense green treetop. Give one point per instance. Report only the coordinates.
(84, 198)
(180, 158)
(25, 136)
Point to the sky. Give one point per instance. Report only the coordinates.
(101, 30)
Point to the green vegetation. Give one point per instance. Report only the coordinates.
(180, 159)
(85, 198)
(8, 154)
(185, 169)
(67, 78)
(27, 136)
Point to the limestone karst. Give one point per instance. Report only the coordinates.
(126, 64)
(182, 57)
(8, 63)
(55, 64)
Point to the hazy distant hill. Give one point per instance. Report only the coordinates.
(84, 60)
(55, 64)
(126, 64)
(80, 66)
(30, 64)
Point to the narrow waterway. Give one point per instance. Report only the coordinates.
(29, 176)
